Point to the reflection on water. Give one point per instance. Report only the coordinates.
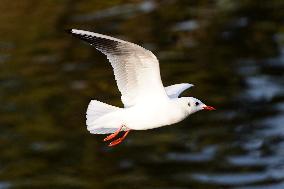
(231, 50)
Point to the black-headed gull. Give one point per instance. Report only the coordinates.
(147, 103)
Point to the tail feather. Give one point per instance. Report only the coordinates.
(96, 110)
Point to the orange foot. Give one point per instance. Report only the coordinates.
(111, 136)
(119, 140)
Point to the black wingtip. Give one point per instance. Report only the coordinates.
(68, 31)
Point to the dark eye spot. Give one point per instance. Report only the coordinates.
(188, 104)
(196, 103)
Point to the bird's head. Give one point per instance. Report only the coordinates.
(193, 105)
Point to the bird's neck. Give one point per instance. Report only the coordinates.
(181, 106)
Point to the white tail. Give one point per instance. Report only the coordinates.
(96, 110)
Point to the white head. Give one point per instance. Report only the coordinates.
(193, 105)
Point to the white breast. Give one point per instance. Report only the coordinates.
(149, 116)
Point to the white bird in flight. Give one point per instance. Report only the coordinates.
(147, 103)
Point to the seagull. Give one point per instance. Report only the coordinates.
(147, 103)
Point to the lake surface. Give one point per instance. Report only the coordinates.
(232, 51)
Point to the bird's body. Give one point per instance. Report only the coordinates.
(147, 103)
(144, 116)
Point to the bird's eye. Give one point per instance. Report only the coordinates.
(196, 103)
(188, 104)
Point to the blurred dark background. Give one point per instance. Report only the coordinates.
(232, 51)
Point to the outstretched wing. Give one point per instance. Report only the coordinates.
(174, 91)
(136, 69)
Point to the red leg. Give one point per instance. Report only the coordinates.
(111, 136)
(119, 140)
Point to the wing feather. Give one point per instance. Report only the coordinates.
(174, 91)
(136, 69)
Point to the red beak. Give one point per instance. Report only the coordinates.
(208, 108)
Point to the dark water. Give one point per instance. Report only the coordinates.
(231, 50)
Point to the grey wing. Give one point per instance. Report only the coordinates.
(136, 69)
(174, 91)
